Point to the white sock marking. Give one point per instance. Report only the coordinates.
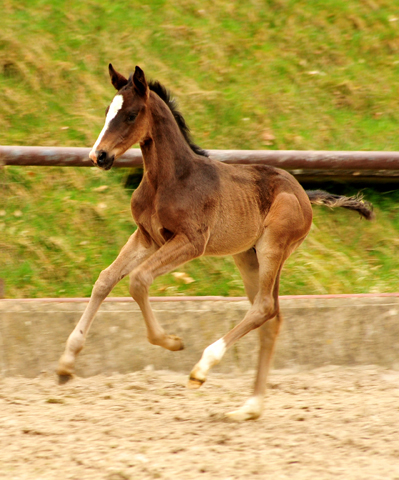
(114, 108)
(251, 409)
(213, 354)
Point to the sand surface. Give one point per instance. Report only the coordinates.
(329, 423)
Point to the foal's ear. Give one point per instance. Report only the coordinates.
(139, 82)
(118, 80)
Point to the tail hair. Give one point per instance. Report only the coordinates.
(356, 203)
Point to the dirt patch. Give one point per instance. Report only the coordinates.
(332, 422)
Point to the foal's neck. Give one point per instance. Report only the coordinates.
(166, 154)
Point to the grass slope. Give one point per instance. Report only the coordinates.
(280, 74)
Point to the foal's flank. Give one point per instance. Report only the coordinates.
(188, 205)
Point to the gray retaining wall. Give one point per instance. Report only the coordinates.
(316, 332)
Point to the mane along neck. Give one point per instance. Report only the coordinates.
(165, 95)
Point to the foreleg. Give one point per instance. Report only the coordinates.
(175, 252)
(136, 250)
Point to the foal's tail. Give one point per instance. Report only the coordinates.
(365, 209)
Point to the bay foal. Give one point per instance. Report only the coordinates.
(188, 205)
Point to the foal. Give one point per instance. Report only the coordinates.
(188, 205)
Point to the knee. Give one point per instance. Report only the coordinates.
(139, 285)
(103, 285)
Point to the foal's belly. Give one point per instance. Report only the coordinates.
(237, 223)
(230, 238)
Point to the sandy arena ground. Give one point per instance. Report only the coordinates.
(328, 423)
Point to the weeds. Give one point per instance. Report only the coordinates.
(251, 75)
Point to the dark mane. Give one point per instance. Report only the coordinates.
(165, 94)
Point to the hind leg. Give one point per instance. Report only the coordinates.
(248, 265)
(264, 314)
(285, 229)
(268, 333)
(253, 407)
(264, 307)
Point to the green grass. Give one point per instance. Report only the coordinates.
(313, 75)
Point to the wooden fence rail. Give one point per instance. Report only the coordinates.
(306, 165)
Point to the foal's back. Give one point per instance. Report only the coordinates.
(230, 202)
(244, 202)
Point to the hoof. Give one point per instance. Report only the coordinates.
(174, 343)
(251, 410)
(194, 383)
(241, 416)
(63, 379)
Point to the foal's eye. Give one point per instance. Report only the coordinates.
(131, 117)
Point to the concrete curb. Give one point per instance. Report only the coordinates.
(318, 330)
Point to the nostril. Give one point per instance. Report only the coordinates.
(101, 157)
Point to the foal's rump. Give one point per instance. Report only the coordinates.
(356, 203)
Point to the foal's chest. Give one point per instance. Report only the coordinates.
(145, 214)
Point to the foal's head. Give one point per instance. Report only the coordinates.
(126, 121)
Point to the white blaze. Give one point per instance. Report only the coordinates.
(114, 108)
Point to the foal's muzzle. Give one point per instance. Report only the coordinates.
(104, 160)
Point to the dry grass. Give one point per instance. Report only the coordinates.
(258, 74)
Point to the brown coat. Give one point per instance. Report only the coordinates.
(189, 205)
